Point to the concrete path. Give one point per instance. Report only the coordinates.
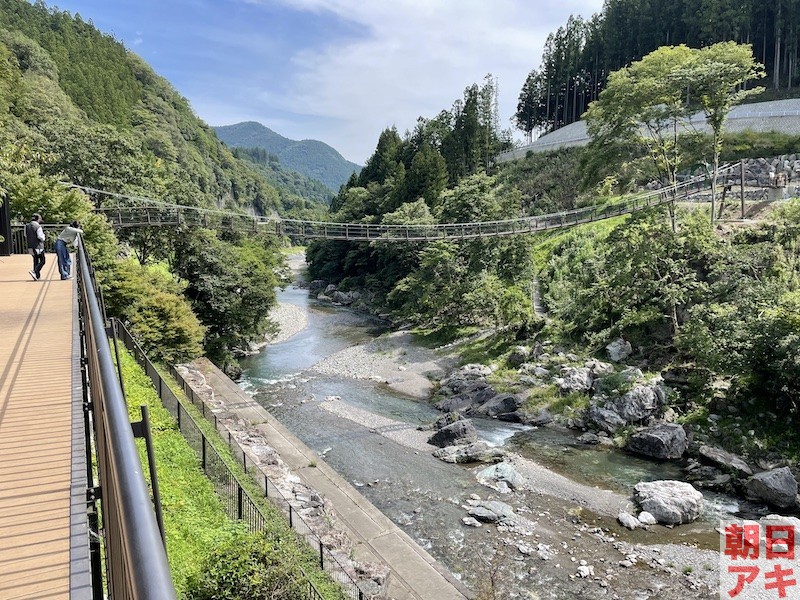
(415, 575)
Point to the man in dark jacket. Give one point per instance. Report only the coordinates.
(34, 235)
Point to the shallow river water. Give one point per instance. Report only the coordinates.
(421, 494)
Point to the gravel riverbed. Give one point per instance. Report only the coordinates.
(574, 525)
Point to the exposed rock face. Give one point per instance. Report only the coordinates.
(469, 453)
(605, 419)
(641, 402)
(670, 502)
(542, 417)
(501, 404)
(471, 394)
(460, 432)
(574, 379)
(726, 460)
(503, 477)
(777, 487)
(662, 441)
(619, 350)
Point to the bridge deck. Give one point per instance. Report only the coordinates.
(43, 533)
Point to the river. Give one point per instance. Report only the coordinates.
(426, 497)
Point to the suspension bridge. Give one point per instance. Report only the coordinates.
(132, 211)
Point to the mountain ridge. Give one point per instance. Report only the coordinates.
(312, 158)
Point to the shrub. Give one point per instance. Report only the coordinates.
(251, 566)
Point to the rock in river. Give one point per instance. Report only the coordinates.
(502, 477)
(662, 441)
(493, 511)
(469, 453)
(670, 502)
(460, 432)
(777, 487)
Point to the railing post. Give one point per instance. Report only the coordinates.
(741, 184)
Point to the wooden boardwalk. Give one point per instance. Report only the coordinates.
(43, 533)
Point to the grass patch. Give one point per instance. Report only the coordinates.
(194, 517)
(195, 520)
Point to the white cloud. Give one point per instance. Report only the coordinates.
(415, 60)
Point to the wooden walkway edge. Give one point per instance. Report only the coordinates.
(43, 530)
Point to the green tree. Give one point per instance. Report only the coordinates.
(646, 102)
(427, 177)
(714, 80)
(231, 288)
(150, 302)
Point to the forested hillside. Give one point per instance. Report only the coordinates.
(311, 158)
(714, 308)
(289, 182)
(579, 56)
(76, 106)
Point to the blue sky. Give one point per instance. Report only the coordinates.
(339, 71)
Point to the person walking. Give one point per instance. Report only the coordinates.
(34, 236)
(68, 236)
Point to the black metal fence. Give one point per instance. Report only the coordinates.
(240, 504)
(135, 562)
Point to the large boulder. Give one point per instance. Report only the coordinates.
(619, 350)
(725, 460)
(599, 368)
(662, 441)
(345, 298)
(605, 419)
(518, 356)
(459, 379)
(501, 404)
(502, 477)
(471, 395)
(316, 286)
(469, 453)
(537, 419)
(574, 379)
(640, 403)
(670, 502)
(777, 487)
(460, 432)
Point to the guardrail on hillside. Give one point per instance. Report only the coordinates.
(238, 501)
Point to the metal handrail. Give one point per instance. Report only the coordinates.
(136, 562)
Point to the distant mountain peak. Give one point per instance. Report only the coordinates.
(311, 158)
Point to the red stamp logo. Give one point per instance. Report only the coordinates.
(757, 559)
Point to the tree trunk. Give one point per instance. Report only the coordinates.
(776, 68)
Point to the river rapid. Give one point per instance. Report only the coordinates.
(322, 390)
